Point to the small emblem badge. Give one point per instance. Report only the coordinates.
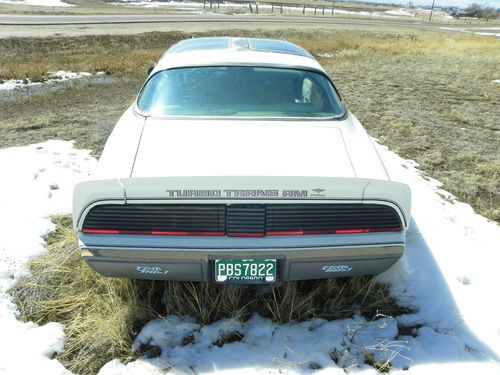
(337, 268)
(151, 270)
(318, 192)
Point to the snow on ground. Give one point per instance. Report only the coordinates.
(52, 77)
(37, 181)
(326, 55)
(154, 4)
(474, 31)
(176, 4)
(400, 12)
(488, 28)
(44, 3)
(448, 274)
(496, 35)
(189, 6)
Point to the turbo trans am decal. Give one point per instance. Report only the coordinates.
(229, 193)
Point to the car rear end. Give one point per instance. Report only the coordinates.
(241, 229)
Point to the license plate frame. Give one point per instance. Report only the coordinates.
(242, 271)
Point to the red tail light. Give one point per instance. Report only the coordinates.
(153, 233)
(255, 235)
(100, 231)
(338, 231)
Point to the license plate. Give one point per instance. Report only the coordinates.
(244, 271)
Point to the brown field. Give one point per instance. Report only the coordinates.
(429, 97)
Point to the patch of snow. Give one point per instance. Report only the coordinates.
(447, 274)
(496, 81)
(447, 241)
(51, 77)
(487, 28)
(179, 5)
(326, 55)
(265, 347)
(496, 35)
(471, 31)
(185, 6)
(400, 12)
(27, 198)
(43, 3)
(154, 4)
(360, 13)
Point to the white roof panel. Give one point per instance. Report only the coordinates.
(236, 51)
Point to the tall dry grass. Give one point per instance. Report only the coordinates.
(116, 55)
(103, 315)
(430, 98)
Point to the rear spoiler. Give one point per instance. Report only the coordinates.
(241, 189)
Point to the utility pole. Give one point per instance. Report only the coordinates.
(432, 8)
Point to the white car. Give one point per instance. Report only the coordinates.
(238, 163)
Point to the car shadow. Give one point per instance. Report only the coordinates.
(434, 333)
(436, 325)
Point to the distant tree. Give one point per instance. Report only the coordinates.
(473, 10)
(489, 13)
(481, 11)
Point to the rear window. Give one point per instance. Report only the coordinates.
(239, 92)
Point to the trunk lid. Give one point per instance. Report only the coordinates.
(180, 148)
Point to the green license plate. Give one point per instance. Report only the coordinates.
(245, 271)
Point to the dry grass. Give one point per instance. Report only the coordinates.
(35, 71)
(429, 97)
(117, 55)
(103, 315)
(293, 301)
(207, 302)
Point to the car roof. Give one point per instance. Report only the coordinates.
(216, 51)
(255, 44)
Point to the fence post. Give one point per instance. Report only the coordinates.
(432, 9)
(257, 8)
(303, 9)
(333, 6)
(281, 8)
(323, 10)
(272, 8)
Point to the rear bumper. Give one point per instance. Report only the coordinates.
(298, 263)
